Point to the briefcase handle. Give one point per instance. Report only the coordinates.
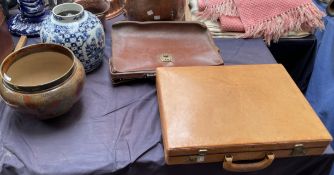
(247, 167)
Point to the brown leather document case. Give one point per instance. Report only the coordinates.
(6, 42)
(232, 113)
(138, 48)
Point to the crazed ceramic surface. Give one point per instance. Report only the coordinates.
(82, 33)
(43, 103)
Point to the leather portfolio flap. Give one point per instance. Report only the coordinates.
(231, 109)
(139, 47)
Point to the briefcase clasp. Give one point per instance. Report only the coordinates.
(298, 150)
(200, 157)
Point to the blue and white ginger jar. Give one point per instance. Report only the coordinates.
(79, 30)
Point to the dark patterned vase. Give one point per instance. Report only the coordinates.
(79, 30)
(28, 22)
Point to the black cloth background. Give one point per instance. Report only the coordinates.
(297, 56)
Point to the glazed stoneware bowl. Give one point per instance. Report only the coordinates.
(98, 7)
(44, 80)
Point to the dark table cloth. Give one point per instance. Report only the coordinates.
(320, 92)
(297, 56)
(117, 129)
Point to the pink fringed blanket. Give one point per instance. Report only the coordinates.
(268, 18)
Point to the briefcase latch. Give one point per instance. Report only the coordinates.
(298, 150)
(200, 157)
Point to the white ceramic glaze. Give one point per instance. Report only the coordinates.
(80, 31)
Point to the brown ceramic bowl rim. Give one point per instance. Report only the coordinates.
(35, 48)
(114, 12)
(105, 10)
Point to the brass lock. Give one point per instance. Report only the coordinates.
(200, 157)
(298, 150)
(165, 57)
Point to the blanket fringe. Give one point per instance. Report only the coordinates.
(213, 12)
(303, 18)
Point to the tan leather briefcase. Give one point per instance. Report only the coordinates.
(138, 48)
(230, 113)
(6, 42)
